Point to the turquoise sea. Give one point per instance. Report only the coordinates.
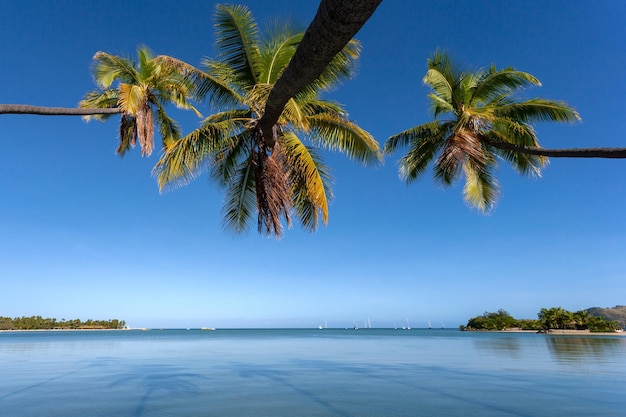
(330, 372)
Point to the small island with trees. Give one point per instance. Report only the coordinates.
(41, 323)
(554, 319)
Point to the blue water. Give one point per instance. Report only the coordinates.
(308, 373)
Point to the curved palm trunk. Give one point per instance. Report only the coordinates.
(54, 111)
(561, 153)
(335, 23)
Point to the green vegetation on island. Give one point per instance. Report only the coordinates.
(547, 319)
(41, 323)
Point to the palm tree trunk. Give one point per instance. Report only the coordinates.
(335, 23)
(561, 153)
(54, 111)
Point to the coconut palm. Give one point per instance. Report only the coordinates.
(286, 176)
(478, 120)
(142, 89)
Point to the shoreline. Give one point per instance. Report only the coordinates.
(63, 330)
(559, 332)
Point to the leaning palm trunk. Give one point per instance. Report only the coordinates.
(335, 23)
(54, 111)
(560, 153)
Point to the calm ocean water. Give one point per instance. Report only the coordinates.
(308, 373)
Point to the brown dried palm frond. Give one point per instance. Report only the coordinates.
(145, 129)
(128, 134)
(272, 192)
(459, 147)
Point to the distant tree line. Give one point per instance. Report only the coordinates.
(552, 318)
(41, 323)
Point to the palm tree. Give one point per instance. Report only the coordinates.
(274, 179)
(142, 89)
(581, 317)
(482, 117)
(549, 317)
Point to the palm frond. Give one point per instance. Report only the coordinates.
(145, 66)
(168, 128)
(128, 134)
(336, 133)
(185, 158)
(240, 200)
(438, 105)
(256, 98)
(132, 97)
(277, 50)
(541, 110)
(294, 115)
(442, 75)
(310, 181)
(100, 99)
(232, 151)
(108, 68)
(424, 141)
(203, 84)
(497, 83)
(481, 188)
(237, 41)
(513, 131)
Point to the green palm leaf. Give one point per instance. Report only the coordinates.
(310, 181)
(424, 141)
(276, 52)
(237, 40)
(185, 158)
(481, 188)
(240, 198)
(203, 84)
(494, 83)
(539, 110)
(336, 133)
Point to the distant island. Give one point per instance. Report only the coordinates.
(41, 323)
(594, 320)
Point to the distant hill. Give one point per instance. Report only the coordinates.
(617, 313)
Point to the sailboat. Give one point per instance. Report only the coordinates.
(429, 326)
(408, 325)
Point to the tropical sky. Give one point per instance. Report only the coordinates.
(86, 234)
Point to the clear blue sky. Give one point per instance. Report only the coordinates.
(85, 234)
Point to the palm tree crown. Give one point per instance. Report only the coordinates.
(280, 179)
(143, 88)
(481, 114)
